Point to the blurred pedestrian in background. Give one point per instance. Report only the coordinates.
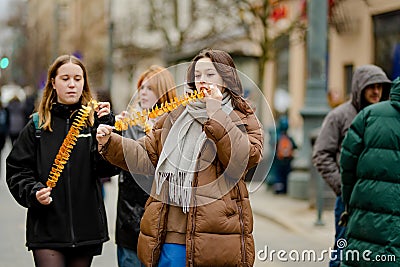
(16, 111)
(155, 86)
(199, 212)
(66, 225)
(284, 153)
(371, 177)
(369, 85)
(4, 126)
(30, 101)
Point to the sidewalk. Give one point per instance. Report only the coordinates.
(293, 214)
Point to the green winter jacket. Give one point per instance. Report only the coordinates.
(370, 168)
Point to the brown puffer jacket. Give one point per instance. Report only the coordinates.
(220, 223)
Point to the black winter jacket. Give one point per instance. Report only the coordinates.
(76, 216)
(131, 201)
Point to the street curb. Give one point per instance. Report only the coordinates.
(277, 221)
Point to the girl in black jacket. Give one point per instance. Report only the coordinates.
(155, 85)
(66, 224)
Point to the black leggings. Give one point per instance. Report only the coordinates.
(55, 258)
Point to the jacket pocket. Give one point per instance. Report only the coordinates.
(231, 206)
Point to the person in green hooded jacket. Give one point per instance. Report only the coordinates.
(369, 85)
(370, 172)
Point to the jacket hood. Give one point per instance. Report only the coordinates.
(395, 94)
(364, 76)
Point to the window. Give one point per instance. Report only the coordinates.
(282, 63)
(387, 42)
(281, 95)
(348, 75)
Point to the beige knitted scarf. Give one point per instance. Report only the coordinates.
(178, 160)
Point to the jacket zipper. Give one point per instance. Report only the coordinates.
(69, 196)
(193, 215)
(239, 203)
(159, 235)
(192, 235)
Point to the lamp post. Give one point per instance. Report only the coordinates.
(315, 106)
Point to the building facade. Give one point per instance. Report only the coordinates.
(78, 27)
(127, 36)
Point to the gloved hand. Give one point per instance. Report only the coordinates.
(344, 218)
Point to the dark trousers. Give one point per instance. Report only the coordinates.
(340, 231)
(282, 168)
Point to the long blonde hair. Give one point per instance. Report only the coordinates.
(162, 83)
(50, 95)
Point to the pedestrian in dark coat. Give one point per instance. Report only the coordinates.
(16, 111)
(66, 224)
(4, 125)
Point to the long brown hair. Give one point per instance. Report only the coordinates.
(162, 83)
(50, 95)
(226, 68)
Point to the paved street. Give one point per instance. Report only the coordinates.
(12, 232)
(292, 230)
(286, 225)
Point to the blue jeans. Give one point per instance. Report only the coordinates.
(127, 258)
(172, 255)
(340, 231)
(282, 169)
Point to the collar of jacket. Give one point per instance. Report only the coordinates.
(64, 111)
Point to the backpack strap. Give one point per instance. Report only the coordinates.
(35, 118)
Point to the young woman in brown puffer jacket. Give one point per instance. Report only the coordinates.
(198, 213)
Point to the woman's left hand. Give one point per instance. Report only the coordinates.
(213, 99)
(104, 108)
